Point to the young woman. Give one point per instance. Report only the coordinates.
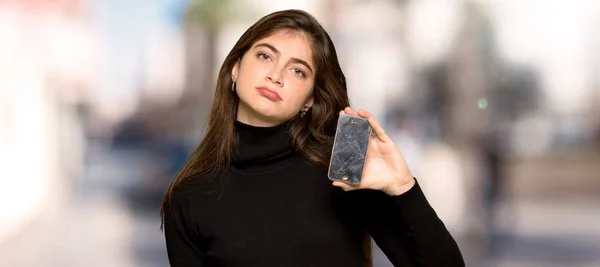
(256, 193)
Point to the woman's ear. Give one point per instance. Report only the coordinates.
(309, 103)
(235, 70)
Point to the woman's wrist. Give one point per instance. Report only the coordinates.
(401, 186)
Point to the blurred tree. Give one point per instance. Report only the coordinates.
(204, 19)
(203, 22)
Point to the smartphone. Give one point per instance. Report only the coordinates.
(349, 150)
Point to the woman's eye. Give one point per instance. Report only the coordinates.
(263, 56)
(299, 72)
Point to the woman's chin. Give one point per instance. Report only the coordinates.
(267, 110)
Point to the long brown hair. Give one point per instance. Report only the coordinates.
(312, 134)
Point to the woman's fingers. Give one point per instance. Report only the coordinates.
(345, 186)
(379, 131)
(350, 111)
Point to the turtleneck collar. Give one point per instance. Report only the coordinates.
(261, 146)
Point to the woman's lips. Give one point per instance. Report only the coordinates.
(268, 93)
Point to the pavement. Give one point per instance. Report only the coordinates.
(97, 226)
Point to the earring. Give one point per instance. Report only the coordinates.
(303, 112)
(233, 83)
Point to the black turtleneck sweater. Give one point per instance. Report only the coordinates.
(277, 208)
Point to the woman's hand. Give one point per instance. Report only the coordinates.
(385, 168)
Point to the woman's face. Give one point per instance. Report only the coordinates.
(275, 79)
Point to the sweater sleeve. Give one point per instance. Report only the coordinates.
(182, 243)
(408, 230)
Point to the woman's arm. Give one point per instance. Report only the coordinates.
(182, 241)
(408, 230)
(396, 212)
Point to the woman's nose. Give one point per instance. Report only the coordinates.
(275, 76)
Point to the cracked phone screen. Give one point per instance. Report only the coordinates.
(349, 149)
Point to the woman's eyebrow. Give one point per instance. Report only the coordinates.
(276, 51)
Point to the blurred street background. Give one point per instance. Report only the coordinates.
(495, 104)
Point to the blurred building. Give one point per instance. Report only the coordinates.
(40, 76)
